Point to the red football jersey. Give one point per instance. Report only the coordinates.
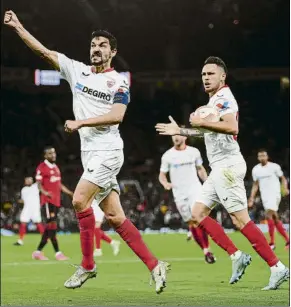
(49, 175)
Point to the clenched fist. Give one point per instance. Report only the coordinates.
(72, 125)
(11, 20)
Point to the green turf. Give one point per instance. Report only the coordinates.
(122, 280)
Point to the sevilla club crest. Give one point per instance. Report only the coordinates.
(110, 83)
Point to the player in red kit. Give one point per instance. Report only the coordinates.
(48, 177)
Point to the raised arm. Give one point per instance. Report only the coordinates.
(11, 20)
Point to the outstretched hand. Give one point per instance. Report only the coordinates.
(171, 128)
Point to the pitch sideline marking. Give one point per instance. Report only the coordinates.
(176, 259)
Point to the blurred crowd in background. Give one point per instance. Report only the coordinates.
(143, 198)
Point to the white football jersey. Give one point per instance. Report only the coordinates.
(181, 165)
(30, 196)
(268, 178)
(93, 95)
(223, 149)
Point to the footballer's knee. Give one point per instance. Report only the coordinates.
(80, 202)
(240, 219)
(112, 209)
(115, 219)
(199, 212)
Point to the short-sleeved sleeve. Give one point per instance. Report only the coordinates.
(278, 171)
(39, 174)
(198, 160)
(122, 94)
(254, 175)
(165, 167)
(225, 106)
(69, 69)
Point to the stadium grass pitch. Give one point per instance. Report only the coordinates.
(124, 280)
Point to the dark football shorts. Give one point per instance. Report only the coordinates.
(49, 213)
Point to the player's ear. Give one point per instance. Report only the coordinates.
(223, 76)
(113, 52)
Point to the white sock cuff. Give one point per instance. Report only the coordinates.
(236, 255)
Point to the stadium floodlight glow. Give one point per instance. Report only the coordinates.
(47, 77)
(53, 77)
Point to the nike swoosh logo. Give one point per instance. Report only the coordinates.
(90, 170)
(86, 75)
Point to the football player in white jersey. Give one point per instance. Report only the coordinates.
(183, 163)
(225, 184)
(267, 176)
(100, 99)
(29, 196)
(100, 234)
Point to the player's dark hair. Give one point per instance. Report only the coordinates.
(46, 148)
(216, 60)
(104, 33)
(262, 150)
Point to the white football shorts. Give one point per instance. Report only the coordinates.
(30, 214)
(184, 207)
(272, 203)
(225, 186)
(101, 168)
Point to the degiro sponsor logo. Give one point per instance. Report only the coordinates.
(92, 92)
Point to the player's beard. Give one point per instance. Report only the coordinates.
(103, 59)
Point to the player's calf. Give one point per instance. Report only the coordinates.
(261, 246)
(82, 200)
(130, 234)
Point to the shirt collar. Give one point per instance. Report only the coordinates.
(50, 165)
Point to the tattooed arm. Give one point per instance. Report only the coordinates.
(190, 132)
(172, 128)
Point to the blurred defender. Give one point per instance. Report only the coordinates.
(100, 99)
(183, 163)
(49, 180)
(29, 196)
(267, 176)
(225, 184)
